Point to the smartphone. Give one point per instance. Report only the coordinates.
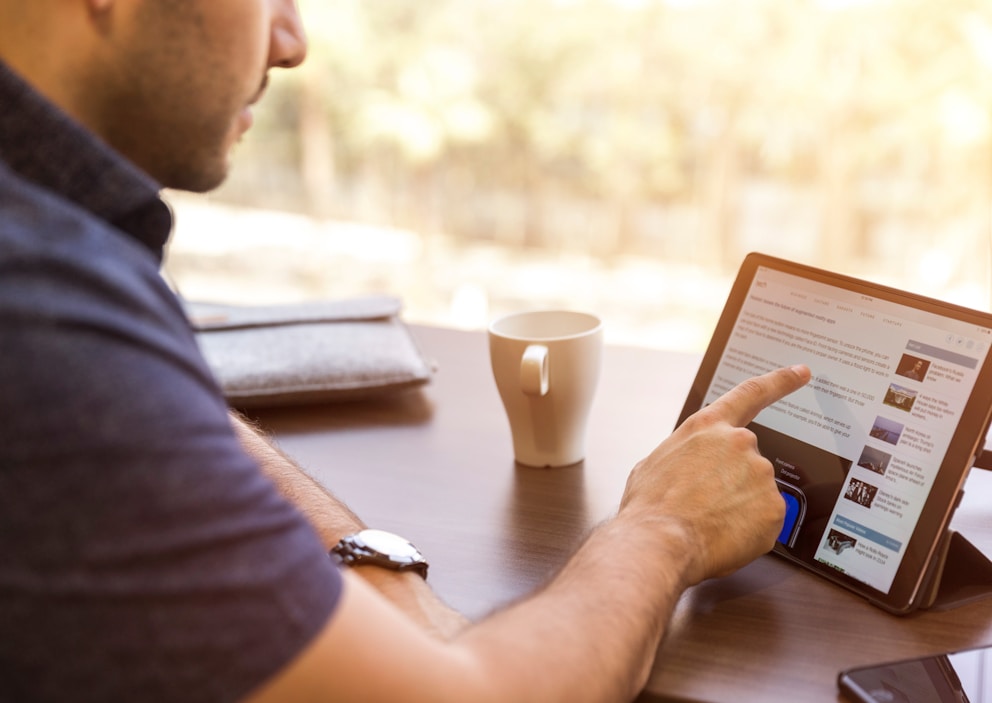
(955, 677)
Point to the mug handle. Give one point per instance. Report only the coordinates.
(534, 370)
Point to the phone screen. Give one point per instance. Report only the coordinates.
(945, 678)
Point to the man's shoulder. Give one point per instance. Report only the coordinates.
(45, 237)
(37, 223)
(26, 206)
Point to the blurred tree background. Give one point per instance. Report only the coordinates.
(853, 135)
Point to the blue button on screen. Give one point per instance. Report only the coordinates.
(791, 514)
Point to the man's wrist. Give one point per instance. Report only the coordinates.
(662, 540)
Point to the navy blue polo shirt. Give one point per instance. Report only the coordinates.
(143, 556)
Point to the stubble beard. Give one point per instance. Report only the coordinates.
(167, 111)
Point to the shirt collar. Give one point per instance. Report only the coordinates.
(47, 147)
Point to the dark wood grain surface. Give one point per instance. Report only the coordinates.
(436, 466)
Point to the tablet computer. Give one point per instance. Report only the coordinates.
(871, 455)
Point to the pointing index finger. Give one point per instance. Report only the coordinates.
(741, 404)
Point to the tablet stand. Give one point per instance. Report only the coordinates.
(959, 574)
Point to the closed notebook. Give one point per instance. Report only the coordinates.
(312, 352)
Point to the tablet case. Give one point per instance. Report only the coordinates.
(959, 574)
(313, 352)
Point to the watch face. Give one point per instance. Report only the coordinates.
(380, 548)
(388, 543)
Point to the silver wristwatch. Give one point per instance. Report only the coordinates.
(379, 548)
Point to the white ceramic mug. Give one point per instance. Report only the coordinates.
(546, 365)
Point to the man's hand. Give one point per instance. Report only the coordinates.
(709, 482)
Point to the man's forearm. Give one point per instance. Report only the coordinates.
(600, 621)
(332, 520)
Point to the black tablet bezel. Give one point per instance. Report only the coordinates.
(905, 593)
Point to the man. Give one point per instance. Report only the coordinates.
(146, 557)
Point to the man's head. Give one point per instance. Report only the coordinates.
(168, 83)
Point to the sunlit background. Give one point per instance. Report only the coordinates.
(475, 157)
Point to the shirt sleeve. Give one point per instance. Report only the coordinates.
(143, 556)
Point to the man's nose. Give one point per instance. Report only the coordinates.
(288, 44)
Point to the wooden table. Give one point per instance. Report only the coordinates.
(436, 466)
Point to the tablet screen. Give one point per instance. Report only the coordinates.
(871, 454)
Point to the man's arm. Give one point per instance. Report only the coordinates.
(702, 504)
(332, 520)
